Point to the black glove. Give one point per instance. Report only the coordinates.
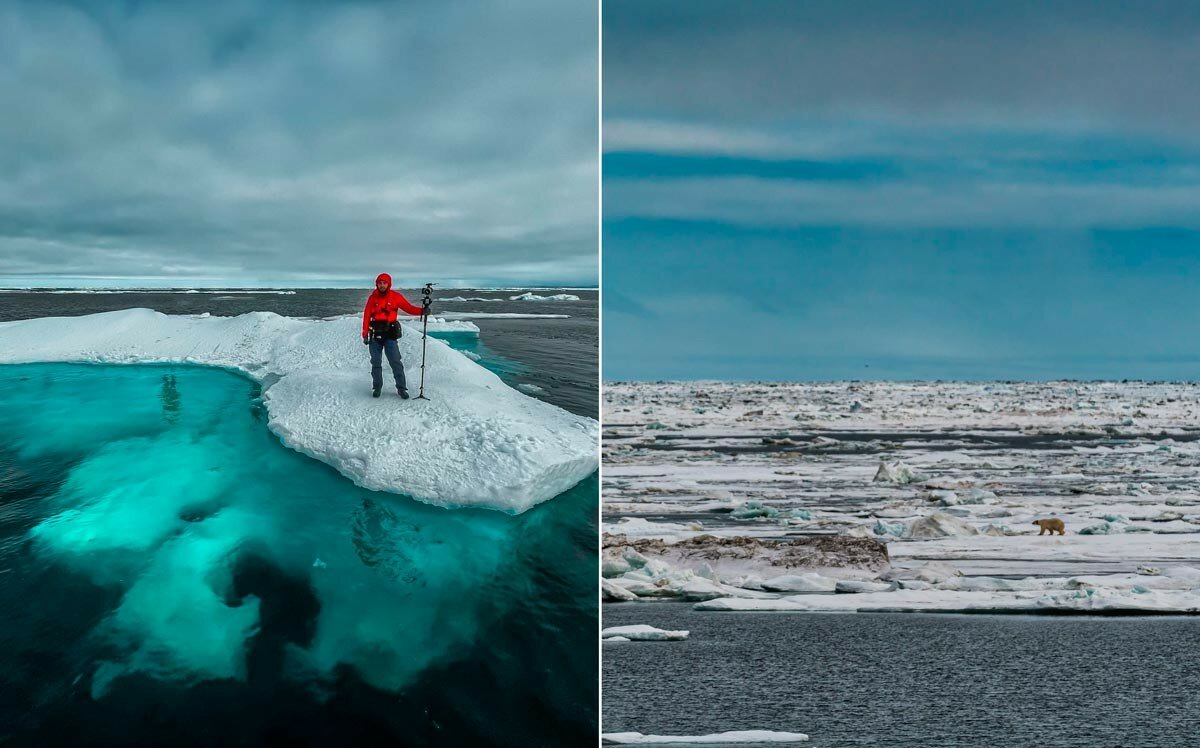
(366, 340)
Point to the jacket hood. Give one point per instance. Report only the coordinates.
(387, 279)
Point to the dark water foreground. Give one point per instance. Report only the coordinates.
(908, 679)
(171, 575)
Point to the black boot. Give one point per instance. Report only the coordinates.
(375, 392)
(403, 393)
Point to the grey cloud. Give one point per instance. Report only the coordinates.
(1072, 66)
(265, 139)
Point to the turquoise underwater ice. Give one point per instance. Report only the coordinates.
(166, 485)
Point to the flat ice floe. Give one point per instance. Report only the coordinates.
(643, 633)
(474, 442)
(1092, 601)
(734, 737)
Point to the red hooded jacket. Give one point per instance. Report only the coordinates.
(383, 306)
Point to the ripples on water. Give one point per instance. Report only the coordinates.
(908, 680)
(170, 573)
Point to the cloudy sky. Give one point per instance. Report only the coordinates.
(298, 143)
(849, 189)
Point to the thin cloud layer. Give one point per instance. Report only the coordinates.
(836, 189)
(272, 141)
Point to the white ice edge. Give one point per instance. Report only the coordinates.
(722, 738)
(475, 442)
(642, 632)
(1096, 601)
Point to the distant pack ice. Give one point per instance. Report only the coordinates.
(475, 442)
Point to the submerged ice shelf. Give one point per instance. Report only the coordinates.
(475, 442)
(231, 555)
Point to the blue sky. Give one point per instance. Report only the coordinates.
(901, 190)
(272, 142)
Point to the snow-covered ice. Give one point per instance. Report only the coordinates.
(644, 633)
(475, 442)
(530, 296)
(499, 315)
(945, 474)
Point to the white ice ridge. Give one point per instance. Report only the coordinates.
(553, 297)
(500, 315)
(474, 442)
(642, 632)
(721, 738)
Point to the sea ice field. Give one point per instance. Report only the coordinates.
(194, 550)
(861, 496)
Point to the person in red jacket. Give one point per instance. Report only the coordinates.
(381, 330)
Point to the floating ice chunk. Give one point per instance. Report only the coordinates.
(530, 388)
(752, 509)
(722, 738)
(617, 639)
(977, 496)
(755, 509)
(854, 586)
(892, 529)
(898, 472)
(642, 587)
(997, 530)
(529, 296)
(638, 527)
(944, 498)
(1107, 528)
(614, 567)
(447, 316)
(894, 512)
(811, 582)
(938, 525)
(995, 584)
(613, 592)
(634, 559)
(932, 572)
(644, 633)
(475, 442)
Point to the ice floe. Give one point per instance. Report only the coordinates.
(530, 296)
(643, 633)
(733, 737)
(475, 442)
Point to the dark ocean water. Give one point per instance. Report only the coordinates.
(908, 680)
(559, 356)
(145, 509)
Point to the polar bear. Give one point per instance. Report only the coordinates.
(1051, 526)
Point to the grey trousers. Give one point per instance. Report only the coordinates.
(378, 348)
